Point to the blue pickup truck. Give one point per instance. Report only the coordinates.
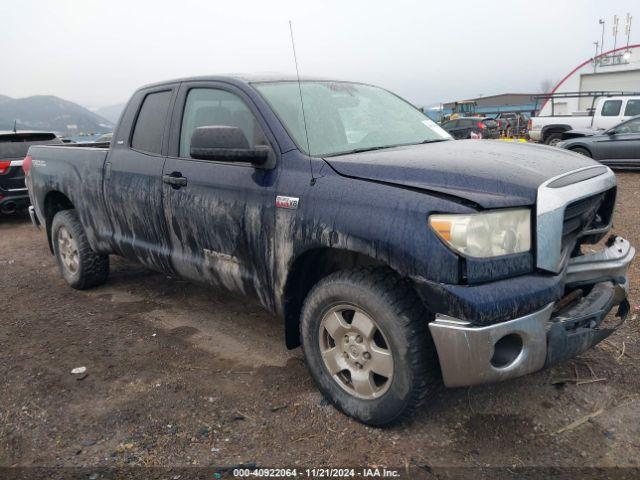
(397, 257)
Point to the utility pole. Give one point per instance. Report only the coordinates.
(595, 58)
(627, 28)
(601, 22)
(615, 31)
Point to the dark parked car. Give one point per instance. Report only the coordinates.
(395, 256)
(13, 148)
(617, 147)
(472, 127)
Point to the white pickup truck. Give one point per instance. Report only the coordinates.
(609, 111)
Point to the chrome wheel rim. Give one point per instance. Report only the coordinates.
(68, 249)
(355, 352)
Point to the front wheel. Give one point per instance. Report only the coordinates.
(367, 345)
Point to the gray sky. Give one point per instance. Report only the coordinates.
(97, 52)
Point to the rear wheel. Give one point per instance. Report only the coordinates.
(367, 345)
(553, 139)
(80, 266)
(582, 151)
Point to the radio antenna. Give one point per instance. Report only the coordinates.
(304, 117)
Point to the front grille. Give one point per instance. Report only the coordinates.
(563, 221)
(590, 213)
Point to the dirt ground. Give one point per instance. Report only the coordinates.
(182, 375)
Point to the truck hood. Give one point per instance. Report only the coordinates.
(489, 173)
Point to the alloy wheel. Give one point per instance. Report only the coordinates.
(355, 352)
(68, 249)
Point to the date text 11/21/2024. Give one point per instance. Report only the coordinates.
(368, 472)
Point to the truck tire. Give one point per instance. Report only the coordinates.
(367, 345)
(80, 266)
(582, 151)
(553, 139)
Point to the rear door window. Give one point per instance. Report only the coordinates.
(611, 108)
(149, 128)
(632, 109)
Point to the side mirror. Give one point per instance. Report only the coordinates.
(612, 131)
(226, 144)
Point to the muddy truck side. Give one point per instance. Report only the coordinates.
(397, 257)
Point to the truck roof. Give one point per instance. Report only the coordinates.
(242, 78)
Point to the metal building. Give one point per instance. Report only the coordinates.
(615, 70)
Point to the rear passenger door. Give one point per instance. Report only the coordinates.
(221, 219)
(133, 179)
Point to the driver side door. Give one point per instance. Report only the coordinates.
(221, 216)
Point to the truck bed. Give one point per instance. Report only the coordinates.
(75, 172)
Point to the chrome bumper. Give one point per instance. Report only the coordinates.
(472, 355)
(611, 263)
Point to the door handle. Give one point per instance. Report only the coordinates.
(175, 179)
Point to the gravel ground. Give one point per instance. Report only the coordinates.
(182, 375)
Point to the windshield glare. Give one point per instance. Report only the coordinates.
(342, 117)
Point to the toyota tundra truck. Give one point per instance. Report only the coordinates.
(397, 257)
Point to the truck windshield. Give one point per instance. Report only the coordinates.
(344, 117)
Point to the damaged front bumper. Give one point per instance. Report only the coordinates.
(471, 354)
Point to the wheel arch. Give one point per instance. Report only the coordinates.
(307, 270)
(54, 202)
(581, 147)
(554, 128)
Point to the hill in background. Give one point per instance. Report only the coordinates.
(47, 112)
(111, 113)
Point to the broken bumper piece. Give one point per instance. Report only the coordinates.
(472, 355)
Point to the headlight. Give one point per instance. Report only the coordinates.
(487, 234)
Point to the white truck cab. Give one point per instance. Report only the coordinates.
(609, 111)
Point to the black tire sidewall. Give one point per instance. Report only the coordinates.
(391, 404)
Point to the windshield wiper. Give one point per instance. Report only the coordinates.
(370, 149)
(360, 150)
